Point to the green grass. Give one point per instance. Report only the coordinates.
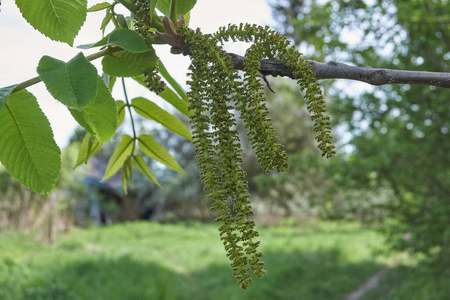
(413, 282)
(185, 261)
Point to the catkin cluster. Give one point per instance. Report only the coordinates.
(216, 91)
(268, 43)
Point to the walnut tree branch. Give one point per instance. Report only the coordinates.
(337, 70)
(329, 70)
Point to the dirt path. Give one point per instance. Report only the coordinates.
(370, 284)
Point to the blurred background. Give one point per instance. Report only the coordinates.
(371, 223)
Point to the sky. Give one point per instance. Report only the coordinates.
(21, 48)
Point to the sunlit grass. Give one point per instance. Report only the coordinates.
(185, 261)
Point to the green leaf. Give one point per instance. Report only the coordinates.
(154, 150)
(108, 17)
(177, 87)
(156, 22)
(60, 20)
(73, 83)
(127, 174)
(123, 151)
(163, 6)
(141, 166)
(182, 6)
(120, 112)
(152, 6)
(109, 81)
(129, 5)
(128, 64)
(100, 43)
(170, 96)
(128, 39)
(4, 94)
(100, 116)
(151, 111)
(99, 6)
(112, 81)
(187, 18)
(121, 21)
(185, 6)
(89, 146)
(28, 150)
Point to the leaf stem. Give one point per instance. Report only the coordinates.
(173, 12)
(131, 115)
(91, 57)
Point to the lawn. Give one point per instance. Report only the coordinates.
(146, 260)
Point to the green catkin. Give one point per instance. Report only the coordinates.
(152, 79)
(213, 85)
(216, 89)
(142, 23)
(256, 118)
(270, 43)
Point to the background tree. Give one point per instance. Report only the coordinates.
(399, 134)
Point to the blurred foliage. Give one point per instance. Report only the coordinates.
(181, 196)
(312, 186)
(19, 207)
(24, 209)
(398, 135)
(293, 128)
